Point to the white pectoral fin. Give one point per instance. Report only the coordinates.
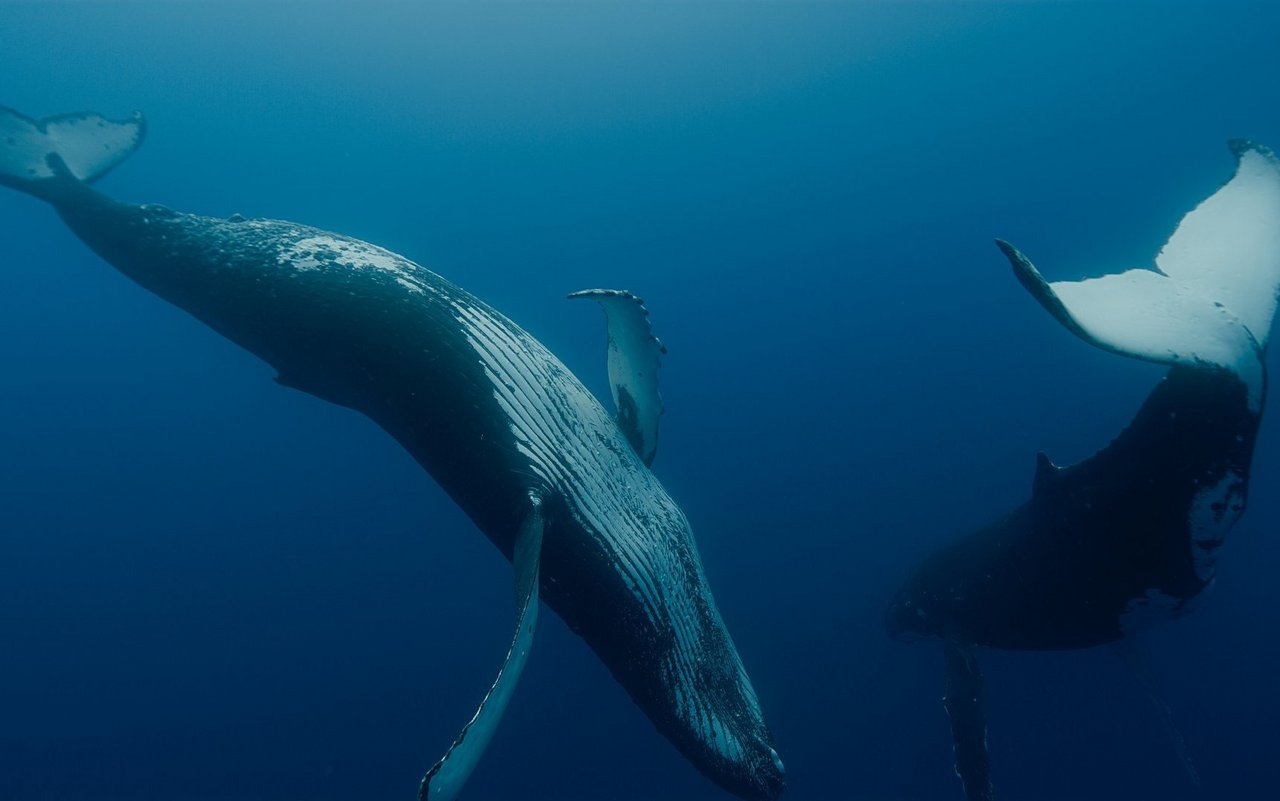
(634, 355)
(966, 707)
(446, 778)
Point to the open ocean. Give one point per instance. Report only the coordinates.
(214, 588)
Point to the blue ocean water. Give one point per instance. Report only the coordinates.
(212, 587)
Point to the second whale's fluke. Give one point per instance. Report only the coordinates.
(1129, 537)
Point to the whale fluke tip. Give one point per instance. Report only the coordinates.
(1012, 253)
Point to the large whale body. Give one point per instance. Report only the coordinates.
(1130, 536)
(557, 484)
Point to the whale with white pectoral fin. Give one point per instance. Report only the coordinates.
(556, 483)
(1130, 536)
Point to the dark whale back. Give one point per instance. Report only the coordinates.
(1129, 537)
(352, 337)
(1121, 540)
(493, 416)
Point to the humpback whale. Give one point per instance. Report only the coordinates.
(562, 488)
(1130, 536)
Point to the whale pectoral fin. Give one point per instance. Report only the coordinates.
(445, 779)
(965, 707)
(634, 354)
(1136, 655)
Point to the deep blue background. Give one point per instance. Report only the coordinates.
(214, 588)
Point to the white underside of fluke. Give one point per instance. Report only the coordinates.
(1228, 248)
(1153, 317)
(1211, 300)
(89, 144)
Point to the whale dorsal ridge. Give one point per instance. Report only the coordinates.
(634, 357)
(1046, 470)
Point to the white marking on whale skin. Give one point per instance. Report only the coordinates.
(320, 252)
(1214, 511)
(574, 445)
(1212, 514)
(412, 286)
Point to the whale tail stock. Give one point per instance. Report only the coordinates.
(1210, 300)
(37, 156)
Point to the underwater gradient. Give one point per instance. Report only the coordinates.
(215, 588)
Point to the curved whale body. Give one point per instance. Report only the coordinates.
(1130, 536)
(505, 429)
(1107, 546)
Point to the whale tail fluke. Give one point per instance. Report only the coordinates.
(1211, 298)
(33, 153)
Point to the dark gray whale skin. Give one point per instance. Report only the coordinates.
(1104, 548)
(1072, 566)
(1129, 537)
(441, 372)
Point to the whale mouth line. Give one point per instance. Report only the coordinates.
(777, 761)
